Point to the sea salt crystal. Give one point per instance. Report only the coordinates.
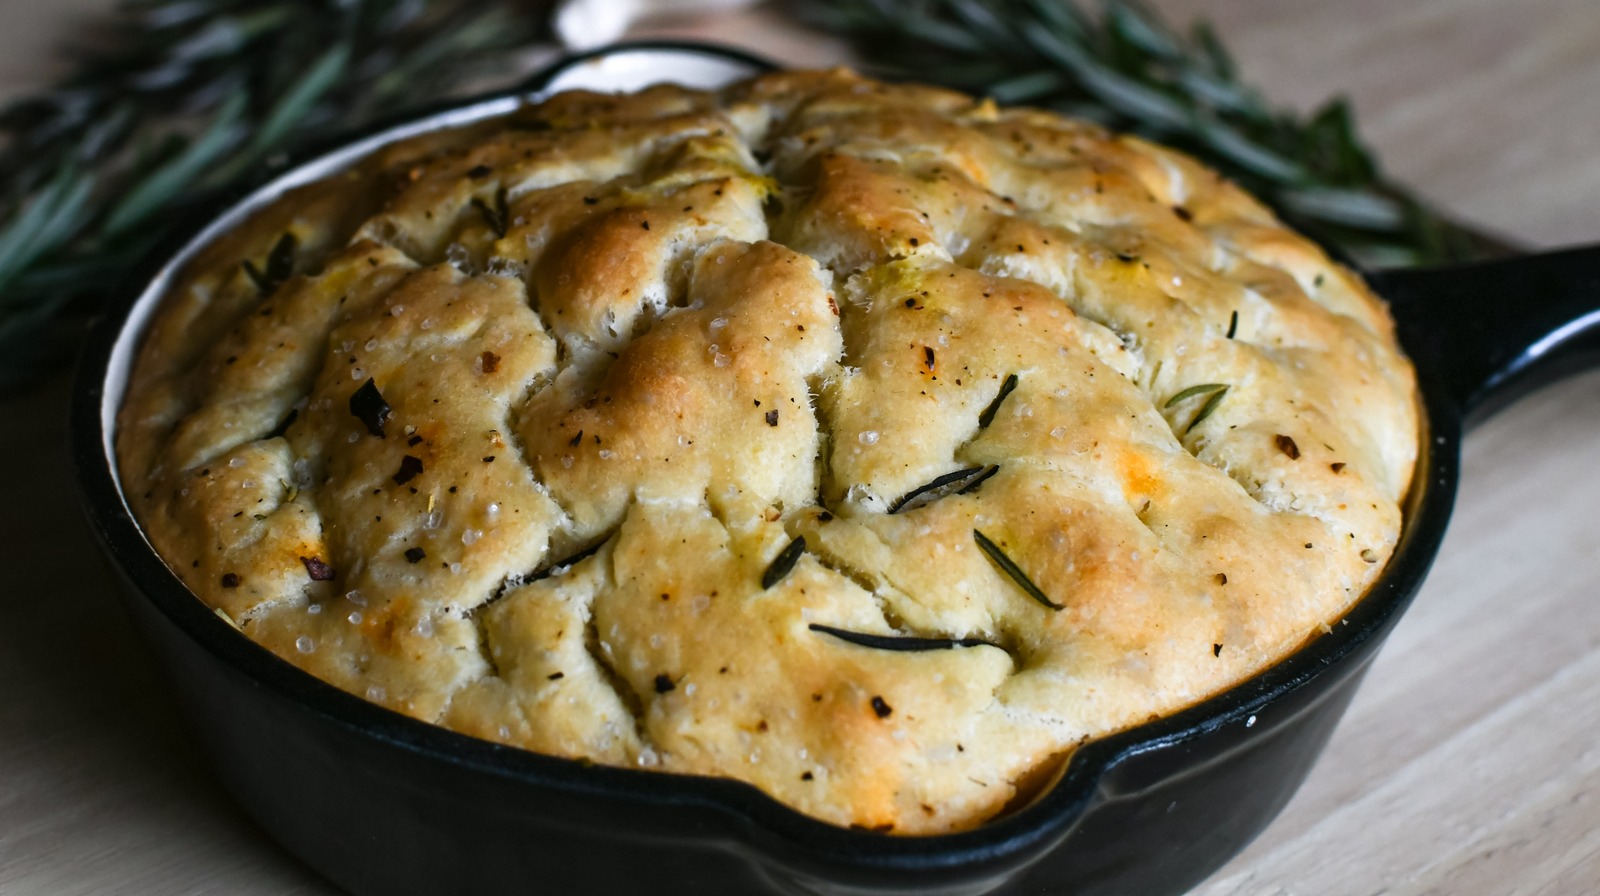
(376, 694)
(354, 617)
(304, 644)
(372, 345)
(868, 437)
(471, 535)
(424, 627)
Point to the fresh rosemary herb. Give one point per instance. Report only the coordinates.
(987, 417)
(784, 562)
(898, 642)
(1215, 390)
(1013, 570)
(956, 483)
(1206, 409)
(279, 267)
(189, 100)
(1192, 391)
(1127, 69)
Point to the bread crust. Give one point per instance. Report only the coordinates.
(526, 442)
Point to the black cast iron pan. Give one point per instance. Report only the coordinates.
(383, 804)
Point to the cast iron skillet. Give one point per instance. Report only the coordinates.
(383, 804)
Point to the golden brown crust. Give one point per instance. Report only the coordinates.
(526, 443)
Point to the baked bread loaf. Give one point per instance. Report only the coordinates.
(870, 444)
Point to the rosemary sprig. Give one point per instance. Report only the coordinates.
(987, 417)
(957, 483)
(905, 643)
(192, 98)
(1010, 568)
(1131, 71)
(1216, 391)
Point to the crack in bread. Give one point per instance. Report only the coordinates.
(518, 443)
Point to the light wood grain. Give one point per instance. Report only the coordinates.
(1468, 763)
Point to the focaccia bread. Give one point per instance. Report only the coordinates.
(871, 444)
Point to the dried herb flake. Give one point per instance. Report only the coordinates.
(368, 406)
(318, 570)
(410, 468)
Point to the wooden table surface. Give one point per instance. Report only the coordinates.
(1467, 765)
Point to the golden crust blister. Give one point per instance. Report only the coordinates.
(518, 429)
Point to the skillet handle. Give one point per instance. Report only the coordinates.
(1493, 331)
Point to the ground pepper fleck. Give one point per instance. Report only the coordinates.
(881, 708)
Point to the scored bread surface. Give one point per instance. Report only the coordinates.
(514, 428)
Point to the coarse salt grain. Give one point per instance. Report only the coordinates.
(304, 644)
